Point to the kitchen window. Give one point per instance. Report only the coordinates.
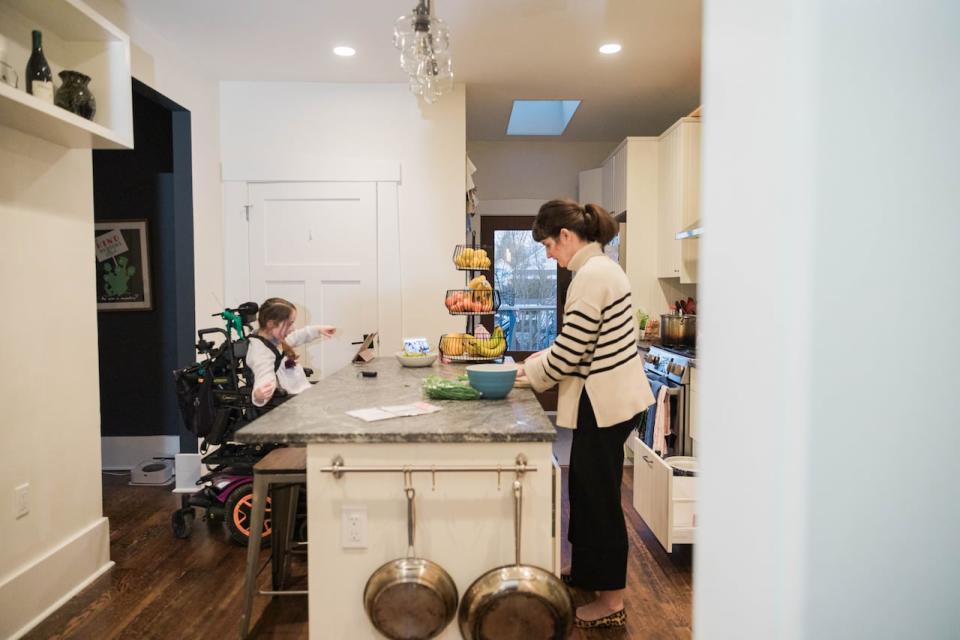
(532, 288)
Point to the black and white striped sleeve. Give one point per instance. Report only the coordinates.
(570, 351)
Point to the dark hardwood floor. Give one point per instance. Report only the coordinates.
(162, 587)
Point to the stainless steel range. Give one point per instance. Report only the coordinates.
(669, 368)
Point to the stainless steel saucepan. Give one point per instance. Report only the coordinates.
(678, 330)
(410, 598)
(516, 602)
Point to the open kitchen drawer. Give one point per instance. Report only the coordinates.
(667, 503)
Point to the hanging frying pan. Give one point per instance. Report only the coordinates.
(516, 602)
(410, 598)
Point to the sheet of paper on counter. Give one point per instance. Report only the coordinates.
(394, 411)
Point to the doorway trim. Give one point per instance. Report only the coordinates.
(174, 292)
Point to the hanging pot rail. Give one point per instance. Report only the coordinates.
(519, 467)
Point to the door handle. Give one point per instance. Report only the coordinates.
(648, 461)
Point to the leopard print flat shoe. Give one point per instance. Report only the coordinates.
(615, 619)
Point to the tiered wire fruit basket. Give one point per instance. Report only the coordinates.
(476, 300)
(472, 302)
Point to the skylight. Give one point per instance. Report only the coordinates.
(541, 117)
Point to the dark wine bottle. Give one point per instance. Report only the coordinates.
(39, 78)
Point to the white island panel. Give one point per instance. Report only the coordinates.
(465, 525)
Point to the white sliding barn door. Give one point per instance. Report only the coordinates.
(315, 244)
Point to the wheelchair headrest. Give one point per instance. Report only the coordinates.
(248, 311)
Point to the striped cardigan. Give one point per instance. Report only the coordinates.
(596, 348)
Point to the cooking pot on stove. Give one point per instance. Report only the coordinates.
(678, 330)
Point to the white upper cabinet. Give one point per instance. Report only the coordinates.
(620, 180)
(609, 177)
(591, 187)
(678, 200)
(656, 181)
(77, 38)
(615, 180)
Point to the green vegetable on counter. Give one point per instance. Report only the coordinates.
(438, 388)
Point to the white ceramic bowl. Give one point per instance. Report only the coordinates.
(416, 361)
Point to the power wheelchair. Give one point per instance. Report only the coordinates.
(214, 398)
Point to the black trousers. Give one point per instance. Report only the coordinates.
(597, 530)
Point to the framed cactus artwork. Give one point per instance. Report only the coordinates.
(123, 266)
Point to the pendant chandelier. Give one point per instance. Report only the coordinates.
(424, 45)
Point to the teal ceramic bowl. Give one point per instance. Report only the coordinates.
(494, 381)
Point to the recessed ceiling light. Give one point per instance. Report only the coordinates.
(345, 52)
(610, 48)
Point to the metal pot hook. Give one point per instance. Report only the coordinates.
(411, 512)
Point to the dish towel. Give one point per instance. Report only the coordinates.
(655, 386)
(661, 424)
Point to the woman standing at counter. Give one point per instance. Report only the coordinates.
(603, 391)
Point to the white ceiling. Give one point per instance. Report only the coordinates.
(502, 50)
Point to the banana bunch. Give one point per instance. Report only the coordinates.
(453, 344)
(472, 259)
(480, 283)
(483, 292)
(492, 347)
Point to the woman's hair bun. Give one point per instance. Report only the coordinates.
(590, 222)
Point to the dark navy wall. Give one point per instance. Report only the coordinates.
(140, 349)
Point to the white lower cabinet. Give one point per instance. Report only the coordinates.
(666, 503)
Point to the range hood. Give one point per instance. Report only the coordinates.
(693, 231)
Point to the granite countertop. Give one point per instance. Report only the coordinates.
(318, 414)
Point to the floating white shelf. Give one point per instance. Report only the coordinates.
(74, 37)
(22, 111)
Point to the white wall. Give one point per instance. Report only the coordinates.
(49, 392)
(829, 507)
(51, 424)
(370, 125)
(535, 170)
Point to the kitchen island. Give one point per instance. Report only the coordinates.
(464, 518)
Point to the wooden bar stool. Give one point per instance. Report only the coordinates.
(279, 474)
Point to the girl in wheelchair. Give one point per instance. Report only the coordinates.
(270, 356)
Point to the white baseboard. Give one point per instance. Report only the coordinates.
(44, 584)
(125, 452)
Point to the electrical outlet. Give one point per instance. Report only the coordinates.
(353, 527)
(21, 500)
